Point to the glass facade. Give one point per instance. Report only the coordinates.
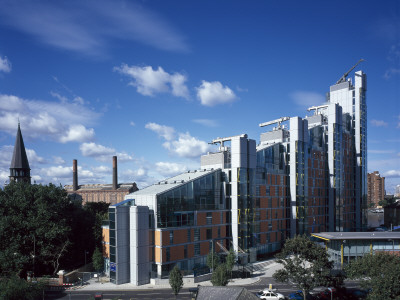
(176, 207)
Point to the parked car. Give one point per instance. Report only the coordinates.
(269, 295)
(299, 296)
(327, 294)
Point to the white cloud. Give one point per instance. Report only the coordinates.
(102, 169)
(95, 150)
(5, 65)
(398, 124)
(63, 25)
(187, 146)
(132, 123)
(6, 153)
(206, 122)
(392, 174)
(102, 153)
(77, 133)
(57, 173)
(170, 169)
(379, 123)
(123, 156)
(149, 82)
(58, 160)
(139, 175)
(391, 72)
(33, 157)
(166, 132)
(214, 93)
(46, 120)
(307, 99)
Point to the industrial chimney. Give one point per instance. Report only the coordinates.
(74, 175)
(115, 173)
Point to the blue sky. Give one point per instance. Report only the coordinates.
(154, 81)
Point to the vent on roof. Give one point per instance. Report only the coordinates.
(166, 182)
(182, 181)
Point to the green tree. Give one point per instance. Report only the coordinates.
(305, 263)
(34, 228)
(220, 275)
(212, 260)
(230, 261)
(379, 272)
(175, 280)
(15, 288)
(98, 260)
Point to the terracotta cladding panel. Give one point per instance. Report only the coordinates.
(223, 231)
(216, 217)
(165, 237)
(278, 180)
(176, 253)
(106, 235)
(203, 233)
(274, 225)
(190, 250)
(263, 226)
(180, 236)
(204, 248)
(274, 202)
(106, 250)
(273, 239)
(263, 190)
(263, 202)
(201, 219)
(263, 238)
(263, 214)
(214, 232)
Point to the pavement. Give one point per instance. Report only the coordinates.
(260, 269)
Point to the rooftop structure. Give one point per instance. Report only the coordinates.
(109, 193)
(19, 168)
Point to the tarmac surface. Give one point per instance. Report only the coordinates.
(260, 269)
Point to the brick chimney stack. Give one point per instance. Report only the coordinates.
(115, 173)
(74, 175)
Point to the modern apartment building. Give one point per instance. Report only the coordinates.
(376, 188)
(306, 175)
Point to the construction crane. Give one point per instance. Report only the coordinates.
(343, 78)
(279, 121)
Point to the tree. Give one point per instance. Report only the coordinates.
(220, 276)
(98, 260)
(34, 228)
(175, 280)
(379, 272)
(212, 260)
(15, 288)
(305, 263)
(230, 260)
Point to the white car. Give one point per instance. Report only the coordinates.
(269, 295)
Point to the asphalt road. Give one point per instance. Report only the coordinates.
(158, 294)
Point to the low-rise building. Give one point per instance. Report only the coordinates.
(343, 247)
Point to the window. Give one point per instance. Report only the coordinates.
(209, 233)
(219, 232)
(168, 254)
(209, 218)
(185, 251)
(171, 237)
(189, 238)
(197, 249)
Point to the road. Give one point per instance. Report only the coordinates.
(158, 294)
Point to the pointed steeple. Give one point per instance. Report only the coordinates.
(19, 169)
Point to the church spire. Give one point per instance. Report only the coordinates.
(19, 169)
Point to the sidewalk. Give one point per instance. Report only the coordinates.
(261, 269)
